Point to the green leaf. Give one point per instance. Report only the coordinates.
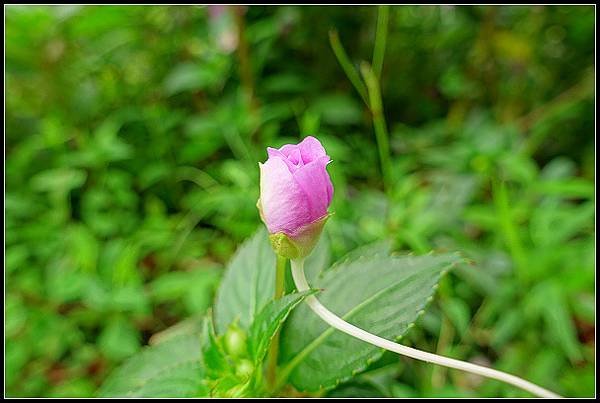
(338, 109)
(248, 283)
(230, 386)
(458, 312)
(195, 287)
(59, 180)
(384, 295)
(268, 322)
(172, 368)
(566, 188)
(119, 339)
(228, 373)
(556, 222)
(191, 325)
(213, 355)
(354, 389)
(194, 76)
(548, 298)
(319, 259)
(383, 248)
(507, 327)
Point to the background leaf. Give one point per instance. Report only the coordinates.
(119, 339)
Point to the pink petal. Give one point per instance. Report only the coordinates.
(273, 152)
(314, 180)
(311, 149)
(284, 204)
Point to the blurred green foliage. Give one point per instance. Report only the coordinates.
(132, 140)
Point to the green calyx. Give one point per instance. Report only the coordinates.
(302, 243)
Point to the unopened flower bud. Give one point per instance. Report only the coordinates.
(295, 192)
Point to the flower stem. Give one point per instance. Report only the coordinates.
(383, 13)
(344, 60)
(379, 125)
(243, 52)
(343, 326)
(369, 90)
(274, 348)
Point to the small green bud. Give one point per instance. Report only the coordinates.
(235, 341)
(244, 368)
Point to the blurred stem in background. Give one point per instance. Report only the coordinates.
(578, 92)
(245, 67)
(380, 39)
(378, 124)
(342, 57)
(371, 93)
(508, 229)
(439, 373)
(244, 140)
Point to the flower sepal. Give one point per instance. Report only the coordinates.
(301, 243)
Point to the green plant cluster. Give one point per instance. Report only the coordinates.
(385, 294)
(132, 140)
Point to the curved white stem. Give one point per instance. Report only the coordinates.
(343, 326)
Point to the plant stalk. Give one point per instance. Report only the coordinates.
(343, 326)
(344, 61)
(381, 134)
(274, 348)
(243, 52)
(383, 14)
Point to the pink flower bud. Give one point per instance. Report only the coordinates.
(295, 192)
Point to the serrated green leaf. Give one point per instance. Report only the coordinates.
(383, 248)
(183, 380)
(170, 369)
(248, 283)
(319, 259)
(268, 322)
(191, 325)
(381, 294)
